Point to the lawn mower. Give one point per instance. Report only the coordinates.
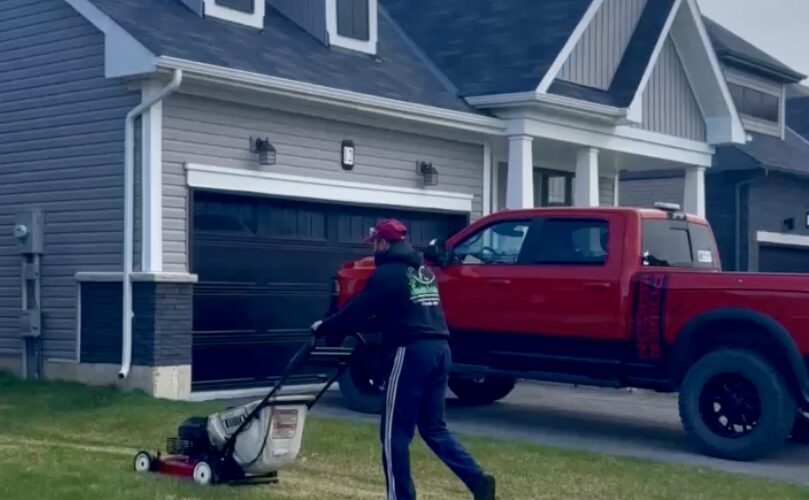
(250, 443)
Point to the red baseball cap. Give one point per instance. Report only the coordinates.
(390, 230)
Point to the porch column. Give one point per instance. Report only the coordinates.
(520, 183)
(694, 199)
(586, 193)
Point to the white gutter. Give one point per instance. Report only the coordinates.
(563, 104)
(461, 120)
(129, 219)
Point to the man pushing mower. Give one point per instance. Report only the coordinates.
(402, 296)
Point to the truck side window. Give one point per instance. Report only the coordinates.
(571, 241)
(499, 243)
(678, 244)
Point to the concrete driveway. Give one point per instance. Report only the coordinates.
(615, 422)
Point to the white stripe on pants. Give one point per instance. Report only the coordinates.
(393, 383)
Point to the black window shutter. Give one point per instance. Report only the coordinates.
(353, 19)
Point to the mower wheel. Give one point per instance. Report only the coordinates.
(204, 473)
(144, 462)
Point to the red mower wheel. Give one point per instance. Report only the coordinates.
(144, 462)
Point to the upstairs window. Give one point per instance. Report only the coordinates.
(353, 19)
(755, 103)
(247, 12)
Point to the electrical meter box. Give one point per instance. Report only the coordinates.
(29, 232)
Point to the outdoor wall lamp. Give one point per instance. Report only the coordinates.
(347, 155)
(428, 173)
(264, 149)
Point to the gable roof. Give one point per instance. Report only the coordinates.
(284, 50)
(490, 47)
(736, 51)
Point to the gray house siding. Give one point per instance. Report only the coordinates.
(643, 193)
(199, 130)
(593, 63)
(61, 150)
(669, 104)
(772, 200)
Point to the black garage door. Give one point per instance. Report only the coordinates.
(783, 259)
(265, 268)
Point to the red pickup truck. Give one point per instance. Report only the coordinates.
(617, 298)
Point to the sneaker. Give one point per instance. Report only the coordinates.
(485, 490)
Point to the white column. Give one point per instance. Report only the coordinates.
(152, 183)
(488, 177)
(586, 192)
(520, 184)
(694, 199)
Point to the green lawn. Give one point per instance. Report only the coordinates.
(66, 441)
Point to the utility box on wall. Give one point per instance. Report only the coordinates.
(29, 232)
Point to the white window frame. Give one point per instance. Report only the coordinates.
(254, 20)
(369, 46)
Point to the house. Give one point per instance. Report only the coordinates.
(205, 165)
(757, 192)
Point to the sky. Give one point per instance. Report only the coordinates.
(778, 27)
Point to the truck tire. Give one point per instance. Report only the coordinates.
(735, 405)
(362, 385)
(800, 429)
(481, 391)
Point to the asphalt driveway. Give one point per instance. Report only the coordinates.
(616, 422)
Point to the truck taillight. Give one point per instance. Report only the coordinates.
(284, 424)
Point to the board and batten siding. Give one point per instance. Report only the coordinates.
(669, 104)
(61, 150)
(213, 132)
(597, 55)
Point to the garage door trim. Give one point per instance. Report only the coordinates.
(794, 240)
(317, 189)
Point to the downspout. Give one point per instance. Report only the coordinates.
(129, 211)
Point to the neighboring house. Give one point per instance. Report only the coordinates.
(758, 192)
(275, 132)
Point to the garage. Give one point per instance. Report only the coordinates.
(783, 259)
(265, 268)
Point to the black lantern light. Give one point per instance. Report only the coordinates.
(428, 173)
(347, 155)
(264, 149)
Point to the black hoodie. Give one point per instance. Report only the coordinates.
(402, 298)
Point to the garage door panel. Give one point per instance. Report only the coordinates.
(783, 259)
(265, 268)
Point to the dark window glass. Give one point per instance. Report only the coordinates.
(247, 6)
(678, 244)
(552, 188)
(353, 19)
(571, 241)
(500, 243)
(754, 103)
(228, 214)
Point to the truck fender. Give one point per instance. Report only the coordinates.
(684, 348)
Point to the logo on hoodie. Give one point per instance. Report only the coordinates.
(423, 287)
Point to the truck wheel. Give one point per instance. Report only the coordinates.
(362, 385)
(800, 430)
(735, 405)
(481, 391)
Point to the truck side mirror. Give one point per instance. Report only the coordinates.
(436, 253)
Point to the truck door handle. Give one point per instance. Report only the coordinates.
(500, 283)
(597, 286)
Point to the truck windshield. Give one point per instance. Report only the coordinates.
(670, 243)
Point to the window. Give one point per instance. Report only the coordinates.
(246, 6)
(678, 244)
(571, 241)
(246, 12)
(755, 103)
(552, 188)
(500, 243)
(353, 19)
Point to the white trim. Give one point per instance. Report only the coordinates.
(753, 124)
(739, 77)
(694, 191)
(487, 177)
(312, 188)
(366, 46)
(795, 240)
(254, 20)
(636, 107)
(112, 277)
(567, 49)
(616, 188)
(123, 54)
(496, 183)
(78, 322)
(328, 95)
(782, 112)
(151, 257)
(587, 191)
(624, 139)
(555, 102)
